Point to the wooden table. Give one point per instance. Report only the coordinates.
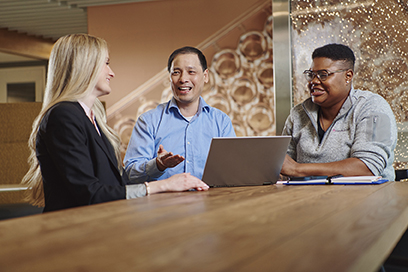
(265, 228)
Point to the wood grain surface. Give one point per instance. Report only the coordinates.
(260, 228)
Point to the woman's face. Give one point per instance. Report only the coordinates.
(103, 85)
(333, 91)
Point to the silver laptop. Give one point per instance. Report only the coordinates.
(243, 161)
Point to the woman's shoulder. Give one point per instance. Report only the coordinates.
(368, 95)
(301, 108)
(64, 111)
(64, 105)
(65, 108)
(371, 99)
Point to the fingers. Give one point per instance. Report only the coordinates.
(203, 187)
(284, 169)
(169, 160)
(199, 184)
(289, 166)
(172, 161)
(184, 182)
(165, 156)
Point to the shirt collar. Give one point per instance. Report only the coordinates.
(348, 103)
(202, 106)
(86, 109)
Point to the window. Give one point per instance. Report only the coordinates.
(22, 84)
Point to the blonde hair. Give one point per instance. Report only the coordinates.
(75, 63)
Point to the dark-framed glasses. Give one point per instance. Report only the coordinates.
(322, 75)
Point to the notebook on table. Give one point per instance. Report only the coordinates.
(336, 180)
(243, 161)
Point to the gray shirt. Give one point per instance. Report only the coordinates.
(365, 128)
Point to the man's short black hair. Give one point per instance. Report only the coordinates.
(336, 52)
(188, 50)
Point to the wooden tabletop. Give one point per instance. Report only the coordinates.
(261, 228)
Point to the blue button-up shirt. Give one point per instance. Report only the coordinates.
(166, 125)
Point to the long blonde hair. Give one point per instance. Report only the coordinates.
(75, 63)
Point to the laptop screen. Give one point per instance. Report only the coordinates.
(242, 161)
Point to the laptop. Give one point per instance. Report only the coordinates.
(243, 161)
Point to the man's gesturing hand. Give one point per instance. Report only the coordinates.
(167, 159)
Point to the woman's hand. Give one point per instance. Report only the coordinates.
(289, 167)
(178, 183)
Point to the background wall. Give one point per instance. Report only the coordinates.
(235, 36)
(141, 36)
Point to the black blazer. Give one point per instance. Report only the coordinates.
(78, 165)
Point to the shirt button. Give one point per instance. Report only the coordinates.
(187, 162)
(188, 142)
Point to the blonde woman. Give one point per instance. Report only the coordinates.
(75, 157)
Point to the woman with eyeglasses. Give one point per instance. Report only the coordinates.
(339, 130)
(75, 158)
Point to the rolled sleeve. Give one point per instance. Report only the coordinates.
(140, 159)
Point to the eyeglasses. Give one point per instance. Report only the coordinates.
(322, 75)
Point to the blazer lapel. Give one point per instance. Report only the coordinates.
(104, 143)
(101, 140)
(107, 148)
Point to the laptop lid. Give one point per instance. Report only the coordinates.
(242, 161)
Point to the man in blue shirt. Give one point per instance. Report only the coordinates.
(185, 125)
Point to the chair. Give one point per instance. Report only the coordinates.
(401, 174)
(398, 259)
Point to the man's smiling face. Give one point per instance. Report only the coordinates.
(187, 78)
